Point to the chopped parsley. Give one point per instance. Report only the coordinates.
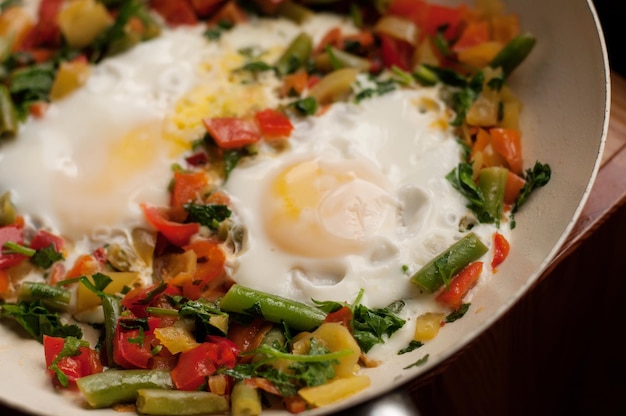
(210, 215)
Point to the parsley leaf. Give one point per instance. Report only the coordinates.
(413, 345)
(46, 257)
(210, 215)
(419, 362)
(458, 314)
(371, 325)
(207, 316)
(462, 180)
(31, 84)
(382, 87)
(306, 106)
(38, 321)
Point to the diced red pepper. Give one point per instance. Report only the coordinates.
(232, 132)
(46, 32)
(5, 281)
(87, 362)
(248, 336)
(176, 233)
(395, 52)
(452, 295)
(430, 17)
(513, 187)
(273, 124)
(139, 298)
(175, 12)
(501, 248)
(196, 364)
(204, 8)
(474, 34)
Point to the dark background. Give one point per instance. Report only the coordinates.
(612, 14)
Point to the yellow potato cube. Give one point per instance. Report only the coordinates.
(82, 21)
(334, 391)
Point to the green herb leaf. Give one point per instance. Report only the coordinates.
(413, 345)
(306, 106)
(458, 314)
(46, 257)
(419, 362)
(38, 321)
(462, 180)
(210, 215)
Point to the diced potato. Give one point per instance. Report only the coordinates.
(82, 21)
(511, 108)
(71, 76)
(86, 299)
(334, 391)
(176, 338)
(427, 326)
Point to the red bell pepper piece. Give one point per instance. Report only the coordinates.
(273, 124)
(196, 364)
(10, 233)
(188, 186)
(342, 315)
(395, 52)
(209, 266)
(232, 132)
(501, 248)
(204, 8)
(43, 239)
(176, 233)
(139, 298)
(452, 295)
(46, 32)
(87, 361)
(474, 34)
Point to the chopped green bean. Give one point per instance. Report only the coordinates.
(513, 53)
(492, 181)
(296, 54)
(52, 297)
(180, 403)
(245, 400)
(441, 269)
(121, 386)
(8, 115)
(111, 308)
(273, 308)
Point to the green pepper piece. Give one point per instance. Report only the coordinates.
(441, 269)
(121, 386)
(296, 54)
(273, 308)
(513, 53)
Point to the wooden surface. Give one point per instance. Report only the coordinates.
(561, 349)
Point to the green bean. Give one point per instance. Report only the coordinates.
(7, 210)
(492, 181)
(180, 403)
(513, 53)
(8, 116)
(441, 269)
(296, 54)
(121, 386)
(111, 308)
(245, 400)
(273, 308)
(52, 297)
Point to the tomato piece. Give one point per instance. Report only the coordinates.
(46, 32)
(188, 186)
(474, 34)
(229, 12)
(452, 295)
(232, 132)
(342, 315)
(38, 108)
(85, 363)
(10, 233)
(43, 239)
(139, 298)
(248, 336)
(175, 12)
(330, 38)
(501, 248)
(196, 364)
(132, 348)
(176, 233)
(395, 52)
(273, 124)
(507, 142)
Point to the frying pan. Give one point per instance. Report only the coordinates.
(564, 86)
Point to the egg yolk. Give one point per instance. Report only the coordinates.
(325, 209)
